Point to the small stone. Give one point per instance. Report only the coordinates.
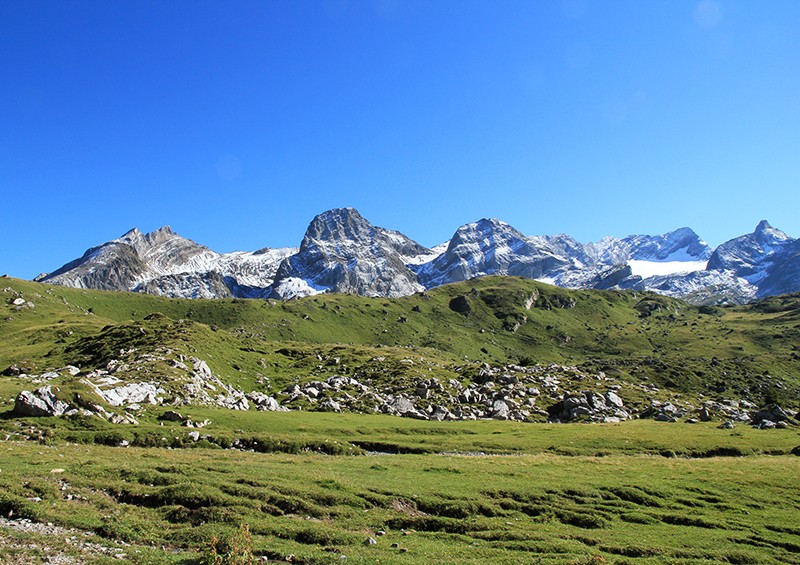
(380, 533)
(171, 416)
(370, 541)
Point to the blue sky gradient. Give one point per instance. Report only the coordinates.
(237, 122)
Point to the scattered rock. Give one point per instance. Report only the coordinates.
(41, 402)
(264, 402)
(771, 413)
(171, 416)
(329, 405)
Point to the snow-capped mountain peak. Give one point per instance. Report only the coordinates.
(341, 251)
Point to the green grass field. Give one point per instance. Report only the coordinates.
(556, 494)
(312, 487)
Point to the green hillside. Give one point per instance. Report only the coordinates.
(750, 350)
(187, 479)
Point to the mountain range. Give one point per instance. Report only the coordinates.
(343, 252)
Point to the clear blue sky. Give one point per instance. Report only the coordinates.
(237, 122)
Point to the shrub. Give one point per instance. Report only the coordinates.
(233, 549)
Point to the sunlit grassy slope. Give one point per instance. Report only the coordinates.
(167, 506)
(312, 487)
(498, 320)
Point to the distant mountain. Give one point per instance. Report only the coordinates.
(162, 262)
(490, 247)
(343, 252)
(680, 245)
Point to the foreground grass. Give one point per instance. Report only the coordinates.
(626, 506)
(354, 434)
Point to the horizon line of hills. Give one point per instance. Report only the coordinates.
(343, 252)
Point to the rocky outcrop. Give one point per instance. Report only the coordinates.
(589, 406)
(41, 402)
(45, 402)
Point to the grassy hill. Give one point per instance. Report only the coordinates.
(311, 487)
(749, 350)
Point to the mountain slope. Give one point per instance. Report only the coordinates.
(640, 340)
(490, 247)
(162, 262)
(343, 252)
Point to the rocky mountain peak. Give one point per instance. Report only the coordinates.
(343, 252)
(131, 234)
(765, 234)
(339, 224)
(483, 233)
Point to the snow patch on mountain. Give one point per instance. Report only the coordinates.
(647, 269)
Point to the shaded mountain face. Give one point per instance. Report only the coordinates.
(343, 252)
(751, 254)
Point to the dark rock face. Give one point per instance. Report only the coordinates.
(783, 276)
(343, 252)
(620, 276)
(461, 305)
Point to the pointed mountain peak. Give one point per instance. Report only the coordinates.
(766, 234)
(338, 224)
(131, 233)
(166, 230)
(763, 226)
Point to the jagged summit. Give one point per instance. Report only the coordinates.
(490, 246)
(342, 251)
(767, 235)
(764, 255)
(338, 224)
